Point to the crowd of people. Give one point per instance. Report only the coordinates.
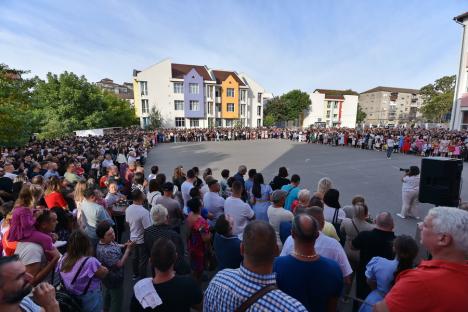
(77, 213)
(418, 141)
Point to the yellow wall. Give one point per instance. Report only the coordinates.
(230, 82)
(136, 97)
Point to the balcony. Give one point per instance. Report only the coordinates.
(218, 99)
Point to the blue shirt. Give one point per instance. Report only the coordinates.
(231, 287)
(293, 191)
(227, 251)
(313, 283)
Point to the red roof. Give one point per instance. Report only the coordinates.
(221, 75)
(180, 70)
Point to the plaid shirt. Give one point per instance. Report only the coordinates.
(231, 287)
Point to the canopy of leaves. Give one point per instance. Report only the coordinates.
(438, 98)
(155, 119)
(360, 115)
(67, 103)
(15, 104)
(289, 106)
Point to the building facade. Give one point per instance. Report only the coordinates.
(459, 116)
(194, 96)
(331, 108)
(123, 91)
(390, 106)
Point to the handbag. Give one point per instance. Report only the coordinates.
(337, 226)
(254, 298)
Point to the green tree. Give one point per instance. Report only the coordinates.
(269, 121)
(155, 119)
(438, 98)
(296, 103)
(15, 103)
(66, 103)
(360, 115)
(275, 110)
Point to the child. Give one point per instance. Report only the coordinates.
(23, 219)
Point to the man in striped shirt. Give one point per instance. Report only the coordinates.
(230, 288)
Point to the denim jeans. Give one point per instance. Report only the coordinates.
(389, 151)
(91, 301)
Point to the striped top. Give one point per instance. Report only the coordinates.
(231, 287)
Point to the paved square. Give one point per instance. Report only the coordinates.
(353, 171)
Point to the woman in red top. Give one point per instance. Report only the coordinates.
(53, 197)
(406, 144)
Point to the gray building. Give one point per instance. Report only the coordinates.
(391, 106)
(123, 91)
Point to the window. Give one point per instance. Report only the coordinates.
(242, 109)
(145, 122)
(335, 104)
(335, 115)
(209, 92)
(194, 123)
(144, 107)
(259, 97)
(219, 122)
(218, 107)
(178, 87)
(328, 104)
(180, 122)
(210, 108)
(229, 122)
(194, 105)
(230, 107)
(230, 92)
(259, 110)
(144, 87)
(328, 114)
(217, 92)
(178, 105)
(243, 95)
(259, 122)
(194, 88)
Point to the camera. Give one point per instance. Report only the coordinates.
(404, 169)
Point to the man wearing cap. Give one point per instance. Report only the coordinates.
(175, 215)
(277, 214)
(212, 201)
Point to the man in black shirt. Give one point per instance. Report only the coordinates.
(375, 243)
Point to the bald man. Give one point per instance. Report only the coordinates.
(314, 280)
(375, 243)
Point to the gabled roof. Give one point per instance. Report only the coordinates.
(221, 75)
(180, 70)
(390, 89)
(460, 18)
(335, 94)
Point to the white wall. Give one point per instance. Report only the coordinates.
(349, 111)
(316, 111)
(462, 79)
(252, 100)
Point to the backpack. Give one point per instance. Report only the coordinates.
(337, 224)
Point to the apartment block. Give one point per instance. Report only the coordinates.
(331, 108)
(390, 106)
(459, 117)
(195, 96)
(123, 91)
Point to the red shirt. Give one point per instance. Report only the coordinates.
(435, 285)
(55, 199)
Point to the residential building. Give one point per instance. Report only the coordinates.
(331, 108)
(459, 116)
(123, 91)
(390, 106)
(195, 96)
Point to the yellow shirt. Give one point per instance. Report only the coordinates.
(329, 230)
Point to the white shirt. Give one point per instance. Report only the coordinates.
(275, 217)
(107, 163)
(410, 183)
(327, 247)
(390, 143)
(240, 212)
(214, 203)
(138, 219)
(10, 175)
(329, 212)
(185, 189)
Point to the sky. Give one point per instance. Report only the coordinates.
(283, 45)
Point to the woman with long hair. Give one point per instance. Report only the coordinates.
(260, 197)
(53, 196)
(81, 274)
(323, 185)
(178, 177)
(381, 273)
(78, 197)
(281, 179)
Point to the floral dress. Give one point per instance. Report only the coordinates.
(196, 246)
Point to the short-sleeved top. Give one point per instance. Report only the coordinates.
(375, 243)
(177, 294)
(92, 215)
(109, 255)
(293, 192)
(381, 271)
(227, 251)
(196, 246)
(185, 190)
(28, 305)
(55, 199)
(240, 212)
(214, 203)
(275, 217)
(329, 212)
(410, 183)
(87, 272)
(173, 209)
(327, 247)
(313, 283)
(435, 285)
(138, 219)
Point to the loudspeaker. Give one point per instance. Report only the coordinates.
(440, 181)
